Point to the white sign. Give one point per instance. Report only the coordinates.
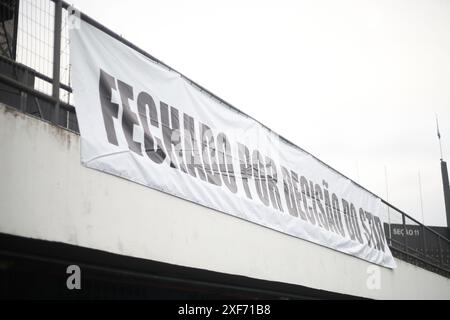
(145, 123)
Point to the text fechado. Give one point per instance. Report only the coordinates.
(179, 141)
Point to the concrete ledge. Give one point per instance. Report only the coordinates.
(46, 194)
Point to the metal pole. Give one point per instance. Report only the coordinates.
(439, 137)
(421, 197)
(446, 186)
(424, 242)
(441, 258)
(406, 233)
(388, 209)
(57, 58)
(23, 94)
(16, 28)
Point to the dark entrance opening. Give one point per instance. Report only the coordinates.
(34, 269)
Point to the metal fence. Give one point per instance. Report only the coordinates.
(37, 77)
(37, 81)
(36, 43)
(410, 240)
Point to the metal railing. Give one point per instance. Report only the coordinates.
(42, 53)
(40, 74)
(411, 240)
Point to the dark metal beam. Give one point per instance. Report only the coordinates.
(57, 58)
(21, 87)
(35, 73)
(446, 186)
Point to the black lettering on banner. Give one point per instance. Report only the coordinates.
(366, 231)
(272, 184)
(329, 212)
(145, 102)
(226, 162)
(259, 173)
(314, 204)
(129, 118)
(213, 163)
(289, 193)
(179, 149)
(110, 110)
(354, 218)
(246, 167)
(307, 195)
(298, 196)
(374, 234)
(193, 160)
(380, 232)
(171, 135)
(319, 200)
(337, 215)
(347, 219)
(209, 155)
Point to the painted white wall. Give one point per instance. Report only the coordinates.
(72, 204)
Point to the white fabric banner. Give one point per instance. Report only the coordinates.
(145, 123)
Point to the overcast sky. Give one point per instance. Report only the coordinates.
(361, 81)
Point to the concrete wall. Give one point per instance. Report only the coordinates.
(46, 194)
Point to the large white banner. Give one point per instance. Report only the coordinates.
(145, 123)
